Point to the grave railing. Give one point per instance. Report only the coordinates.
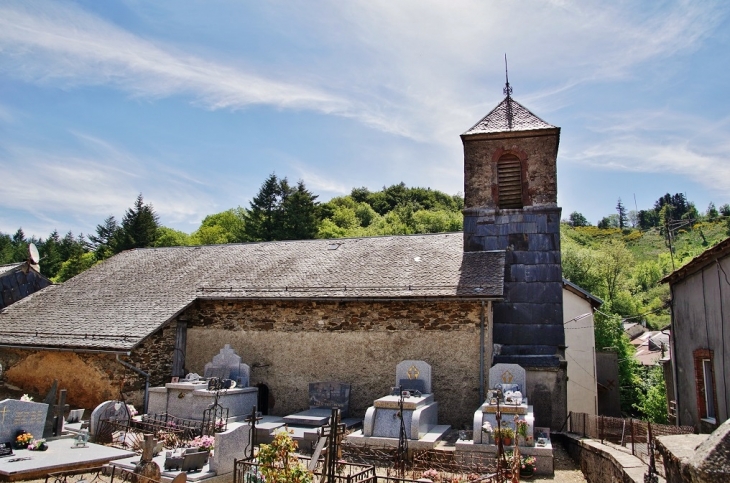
(248, 471)
(631, 435)
(130, 434)
(101, 474)
(191, 427)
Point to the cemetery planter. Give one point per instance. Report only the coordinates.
(507, 441)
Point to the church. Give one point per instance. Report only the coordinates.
(344, 310)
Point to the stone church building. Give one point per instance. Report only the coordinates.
(343, 310)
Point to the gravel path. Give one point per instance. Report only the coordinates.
(566, 470)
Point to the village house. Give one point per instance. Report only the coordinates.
(342, 310)
(699, 339)
(18, 280)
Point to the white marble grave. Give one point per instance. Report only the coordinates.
(382, 422)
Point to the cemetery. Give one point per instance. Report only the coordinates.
(202, 427)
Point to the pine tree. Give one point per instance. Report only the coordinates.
(300, 217)
(265, 212)
(622, 218)
(139, 227)
(105, 242)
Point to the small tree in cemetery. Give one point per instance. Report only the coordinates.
(278, 463)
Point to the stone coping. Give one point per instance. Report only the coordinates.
(468, 445)
(429, 441)
(393, 402)
(631, 467)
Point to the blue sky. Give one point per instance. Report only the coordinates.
(193, 104)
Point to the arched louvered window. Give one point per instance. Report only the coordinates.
(509, 177)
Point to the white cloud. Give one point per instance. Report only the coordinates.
(93, 182)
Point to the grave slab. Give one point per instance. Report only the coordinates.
(60, 456)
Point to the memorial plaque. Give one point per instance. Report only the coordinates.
(27, 416)
(329, 395)
(414, 371)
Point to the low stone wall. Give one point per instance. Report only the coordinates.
(600, 463)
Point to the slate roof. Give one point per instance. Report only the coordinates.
(9, 267)
(116, 304)
(498, 119)
(709, 256)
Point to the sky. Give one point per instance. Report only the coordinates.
(194, 103)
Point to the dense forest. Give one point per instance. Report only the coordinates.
(621, 259)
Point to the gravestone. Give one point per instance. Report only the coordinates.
(414, 376)
(107, 411)
(51, 401)
(27, 416)
(227, 365)
(75, 415)
(329, 395)
(503, 374)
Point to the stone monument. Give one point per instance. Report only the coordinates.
(420, 412)
(190, 397)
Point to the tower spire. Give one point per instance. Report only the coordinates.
(507, 92)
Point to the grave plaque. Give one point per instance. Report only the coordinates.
(507, 374)
(330, 395)
(227, 365)
(21, 415)
(408, 372)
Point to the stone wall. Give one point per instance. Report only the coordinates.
(91, 378)
(536, 149)
(291, 343)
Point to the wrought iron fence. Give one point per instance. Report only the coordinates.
(101, 474)
(369, 464)
(130, 434)
(632, 435)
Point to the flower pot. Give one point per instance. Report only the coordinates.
(507, 441)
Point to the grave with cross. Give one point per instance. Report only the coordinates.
(382, 425)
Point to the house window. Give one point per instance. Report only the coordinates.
(709, 388)
(705, 380)
(509, 179)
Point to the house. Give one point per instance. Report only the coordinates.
(18, 280)
(578, 308)
(651, 347)
(343, 310)
(700, 334)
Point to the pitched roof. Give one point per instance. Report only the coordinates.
(699, 262)
(581, 292)
(499, 119)
(19, 280)
(116, 304)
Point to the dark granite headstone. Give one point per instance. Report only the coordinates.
(413, 385)
(329, 395)
(27, 416)
(51, 401)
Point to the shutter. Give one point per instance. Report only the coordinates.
(509, 177)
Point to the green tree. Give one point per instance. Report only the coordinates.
(712, 213)
(622, 215)
(169, 237)
(652, 399)
(300, 215)
(225, 227)
(139, 227)
(577, 219)
(610, 221)
(75, 265)
(614, 265)
(264, 215)
(105, 242)
(50, 251)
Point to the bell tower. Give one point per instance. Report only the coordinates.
(510, 199)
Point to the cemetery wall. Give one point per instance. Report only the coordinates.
(289, 344)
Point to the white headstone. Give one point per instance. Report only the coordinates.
(507, 374)
(413, 374)
(108, 410)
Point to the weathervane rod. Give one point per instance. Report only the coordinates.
(508, 92)
(507, 88)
